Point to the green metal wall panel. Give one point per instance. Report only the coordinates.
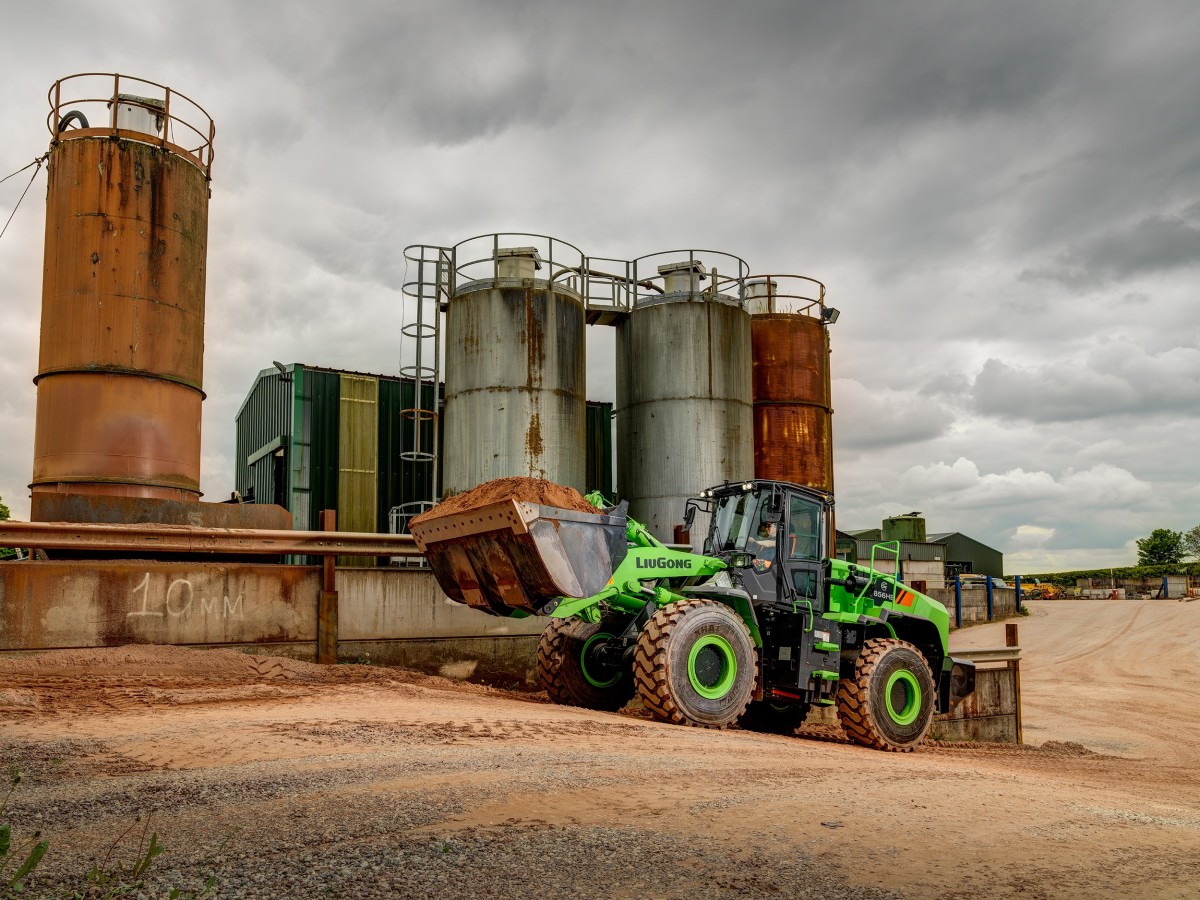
(599, 466)
(264, 420)
(358, 457)
(323, 416)
(403, 481)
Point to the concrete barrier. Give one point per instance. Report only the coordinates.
(389, 616)
(993, 712)
(974, 603)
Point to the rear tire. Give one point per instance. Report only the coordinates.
(695, 664)
(888, 704)
(562, 663)
(773, 718)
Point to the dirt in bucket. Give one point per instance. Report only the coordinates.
(530, 490)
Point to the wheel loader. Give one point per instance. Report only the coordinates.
(755, 630)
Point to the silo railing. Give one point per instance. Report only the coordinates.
(785, 294)
(481, 260)
(107, 103)
(688, 273)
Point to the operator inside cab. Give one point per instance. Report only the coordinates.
(762, 545)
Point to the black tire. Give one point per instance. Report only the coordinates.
(888, 704)
(773, 718)
(562, 667)
(695, 664)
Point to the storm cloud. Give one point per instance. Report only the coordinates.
(1002, 199)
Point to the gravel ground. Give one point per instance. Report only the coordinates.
(281, 779)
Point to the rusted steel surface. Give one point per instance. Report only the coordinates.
(126, 245)
(48, 507)
(46, 605)
(327, 607)
(515, 394)
(185, 539)
(117, 434)
(121, 364)
(108, 104)
(793, 435)
(683, 410)
(513, 555)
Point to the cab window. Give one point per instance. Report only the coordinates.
(803, 538)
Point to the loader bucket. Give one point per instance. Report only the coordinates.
(518, 556)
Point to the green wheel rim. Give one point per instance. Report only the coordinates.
(583, 658)
(717, 668)
(902, 697)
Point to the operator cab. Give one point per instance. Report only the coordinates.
(773, 534)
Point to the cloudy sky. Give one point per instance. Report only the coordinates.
(1002, 197)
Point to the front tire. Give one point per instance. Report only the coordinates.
(695, 664)
(888, 703)
(571, 673)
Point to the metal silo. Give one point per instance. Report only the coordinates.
(793, 429)
(121, 366)
(514, 358)
(683, 411)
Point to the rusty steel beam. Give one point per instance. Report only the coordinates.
(213, 541)
(327, 606)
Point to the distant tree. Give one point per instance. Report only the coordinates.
(1163, 547)
(1191, 543)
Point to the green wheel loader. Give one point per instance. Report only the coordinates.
(755, 630)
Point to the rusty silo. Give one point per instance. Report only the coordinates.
(683, 410)
(515, 362)
(793, 434)
(121, 367)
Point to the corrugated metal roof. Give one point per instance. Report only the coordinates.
(946, 535)
(865, 533)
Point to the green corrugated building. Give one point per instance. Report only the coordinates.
(311, 438)
(965, 555)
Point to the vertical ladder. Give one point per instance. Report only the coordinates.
(425, 296)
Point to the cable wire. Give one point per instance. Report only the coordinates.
(38, 162)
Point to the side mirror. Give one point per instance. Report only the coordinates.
(689, 516)
(740, 560)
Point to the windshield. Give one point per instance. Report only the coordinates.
(738, 517)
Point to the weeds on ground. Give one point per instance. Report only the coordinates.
(109, 877)
(17, 862)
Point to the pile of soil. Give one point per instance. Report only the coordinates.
(529, 490)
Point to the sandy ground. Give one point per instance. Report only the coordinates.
(356, 781)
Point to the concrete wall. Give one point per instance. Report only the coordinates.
(974, 603)
(932, 572)
(390, 616)
(400, 617)
(989, 714)
(46, 605)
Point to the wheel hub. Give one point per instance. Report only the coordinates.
(712, 667)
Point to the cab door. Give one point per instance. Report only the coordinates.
(801, 554)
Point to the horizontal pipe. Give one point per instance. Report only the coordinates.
(188, 539)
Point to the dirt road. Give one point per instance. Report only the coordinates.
(362, 782)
